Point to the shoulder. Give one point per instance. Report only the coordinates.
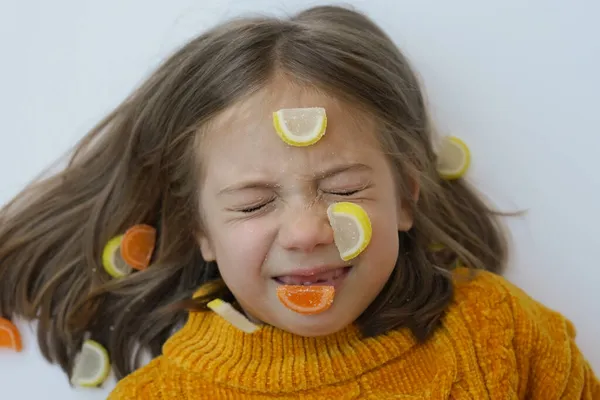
(478, 288)
(140, 384)
(484, 293)
(514, 334)
(484, 312)
(486, 299)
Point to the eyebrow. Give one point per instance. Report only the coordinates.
(338, 169)
(325, 174)
(255, 184)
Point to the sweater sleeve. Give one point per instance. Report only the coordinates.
(550, 364)
(141, 384)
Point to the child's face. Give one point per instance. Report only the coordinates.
(264, 206)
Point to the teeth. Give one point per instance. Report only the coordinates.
(306, 281)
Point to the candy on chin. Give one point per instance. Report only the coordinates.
(306, 300)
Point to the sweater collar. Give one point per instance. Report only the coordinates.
(211, 347)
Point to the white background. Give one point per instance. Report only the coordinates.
(518, 80)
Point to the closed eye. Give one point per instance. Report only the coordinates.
(254, 208)
(345, 192)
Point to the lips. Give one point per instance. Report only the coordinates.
(328, 277)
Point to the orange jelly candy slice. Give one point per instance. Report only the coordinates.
(307, 300)
(137, 246)
(9, 335)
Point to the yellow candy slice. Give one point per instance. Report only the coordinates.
(454, 158)
(112, 261)
(92, 365)
(300, 126)
(351, 228)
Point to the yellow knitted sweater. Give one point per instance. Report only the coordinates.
(495, 343)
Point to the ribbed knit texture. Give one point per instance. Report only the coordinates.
(495, 343)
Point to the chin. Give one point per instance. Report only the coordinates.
(313, 325)
(329, 322)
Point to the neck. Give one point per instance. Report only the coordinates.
(211, 347)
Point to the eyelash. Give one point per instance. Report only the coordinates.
(258, 207)
(347, 193)
(252, 209)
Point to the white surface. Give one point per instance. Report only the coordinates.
(517, 80)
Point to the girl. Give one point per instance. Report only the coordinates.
(239, 213)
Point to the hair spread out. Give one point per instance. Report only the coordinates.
(138, 165)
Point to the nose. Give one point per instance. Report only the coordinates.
(305, 229)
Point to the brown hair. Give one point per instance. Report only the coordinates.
(138, 166)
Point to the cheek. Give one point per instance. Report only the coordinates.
(382, 252)
(241, 250)
(384, 243)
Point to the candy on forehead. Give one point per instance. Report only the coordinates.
(300, 126)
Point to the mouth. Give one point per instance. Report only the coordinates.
(332, 276)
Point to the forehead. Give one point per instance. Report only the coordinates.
(243, 139)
